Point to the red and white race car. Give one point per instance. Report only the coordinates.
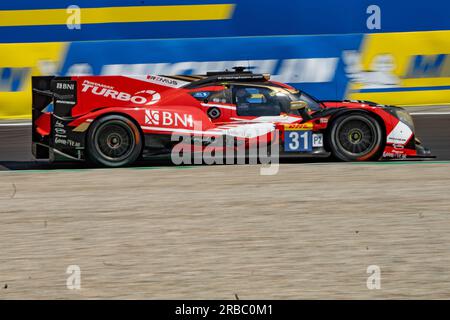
(115, 120)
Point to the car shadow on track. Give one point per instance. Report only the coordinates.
(157, 163)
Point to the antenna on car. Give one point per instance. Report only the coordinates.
(241, 69)
(239, 73)
(236, 70)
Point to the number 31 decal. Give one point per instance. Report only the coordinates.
(298, 141)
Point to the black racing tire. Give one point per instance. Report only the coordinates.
(113, 141)
(356, 137)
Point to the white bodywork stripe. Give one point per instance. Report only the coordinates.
(251, 130)
(178, 130)
(162, 81)
(280, 119)
(429, 113)
(221, 106)
(400, 134)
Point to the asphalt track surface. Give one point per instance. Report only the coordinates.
(203, 232)
(15, 149)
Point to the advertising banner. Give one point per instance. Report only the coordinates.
(392, 68)
(66, 20)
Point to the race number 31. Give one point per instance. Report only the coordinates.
(298, 141)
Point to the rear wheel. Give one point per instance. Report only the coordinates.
(114, 141)
(356, 137)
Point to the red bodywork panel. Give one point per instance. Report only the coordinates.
(161, 105)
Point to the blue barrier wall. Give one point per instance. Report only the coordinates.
(322, 47)
(314, 63)
(245, 18)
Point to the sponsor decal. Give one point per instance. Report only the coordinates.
(67, 142)
(65, 102)
(164, 81)
(201, 94)
(299, 126)
(317, 140)
(213, 113)
(143, 97)
(394, 155)
(152, 117)
(168, 118)
(65, 86)
(400, 134)
(61, 136)
(60, 131)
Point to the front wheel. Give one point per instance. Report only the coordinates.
(356, 137)
(114, 141)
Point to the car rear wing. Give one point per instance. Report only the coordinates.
(41, 94)
(51, 96)
(59, 91)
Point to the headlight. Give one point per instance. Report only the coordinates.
(405, 117)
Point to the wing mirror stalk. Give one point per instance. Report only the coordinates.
(302, 107)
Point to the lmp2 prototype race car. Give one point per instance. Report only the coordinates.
(115, 120)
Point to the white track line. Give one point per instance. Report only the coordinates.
(429, 113)
(15, 124)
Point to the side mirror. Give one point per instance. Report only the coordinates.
(298, 105)
(302, 107)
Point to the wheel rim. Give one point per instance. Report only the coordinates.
(356, 137)
(114, 141)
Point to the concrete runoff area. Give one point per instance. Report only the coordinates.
(213, 232)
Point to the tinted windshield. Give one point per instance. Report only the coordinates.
(313, 104)
(269, 101)
(258, 101)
